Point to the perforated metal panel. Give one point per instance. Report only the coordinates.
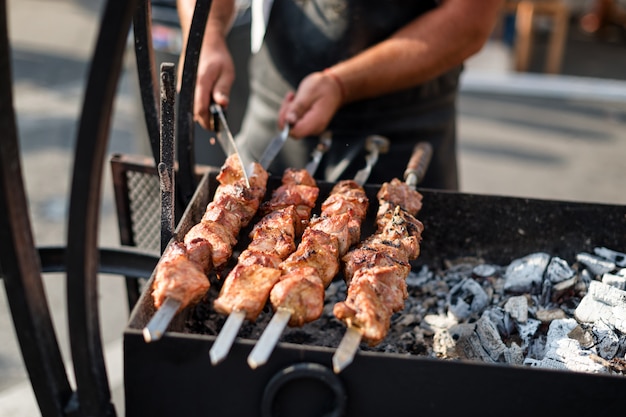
(144, 206)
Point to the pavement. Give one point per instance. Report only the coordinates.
(527, 135)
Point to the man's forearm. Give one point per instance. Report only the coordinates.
(220, 20)
(425, 48)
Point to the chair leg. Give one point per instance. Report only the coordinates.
(557, 40)
(524, 32)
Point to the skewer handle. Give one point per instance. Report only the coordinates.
(319, 151)
(418, 164)
(375, 145)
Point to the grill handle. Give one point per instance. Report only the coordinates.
(418, 164)
(317, 382)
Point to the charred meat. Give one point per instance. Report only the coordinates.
(377, 268)
(247, 287)
(182, 272)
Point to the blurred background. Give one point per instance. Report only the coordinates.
(542, 114)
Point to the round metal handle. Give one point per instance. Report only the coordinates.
(312, 377)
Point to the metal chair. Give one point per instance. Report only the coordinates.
(22, 263)
(526, 12)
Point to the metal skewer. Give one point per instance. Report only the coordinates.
(226, 336)
(267, 342)
(161, 319)
(416, 169)
(229, 331)
(265, 345)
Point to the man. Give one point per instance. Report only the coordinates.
(356, 68)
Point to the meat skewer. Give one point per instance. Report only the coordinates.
(287, 213)
(247, 286)
(298, 297)
(377, 268)
(181, 276)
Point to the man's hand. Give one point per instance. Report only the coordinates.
(216, 71)
(309, 110)
(216, 74)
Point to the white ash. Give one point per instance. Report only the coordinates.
(615, 280)
(517, 307)
(466, 299)
(565, 353)
(559, 270)
(540, 311)
(613, 256)
(526, 275)
(595, 264)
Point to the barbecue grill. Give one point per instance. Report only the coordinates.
(298, 379)
(174, 376)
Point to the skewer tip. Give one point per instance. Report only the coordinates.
(149, 336)
(253, 363)
(226, 337)
(157, 326)
(268, 340)
(346, 349)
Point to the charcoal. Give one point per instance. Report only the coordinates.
(484, 271)
(502, 319)
(595, 264)
(517, 307)
(548, 315)
(607, 341)
(563, 289)
(617, 281)
(525, 275)
(527, 330)
(558, 270)
(603, 302)
(514, 355)
(490, 338)
(618, 258)
(467, 298)
(419, 278)
(563, 353)
(468, 344)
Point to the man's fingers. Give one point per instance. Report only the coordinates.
(284, 107)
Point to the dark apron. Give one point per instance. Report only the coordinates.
(310, 35)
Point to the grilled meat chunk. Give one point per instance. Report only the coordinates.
(301, 291)
(275, 233)
(179, 278)
(246, 290)
(215, 234)
(298, 189)
(247, 286)
(318, 250)
(374, 295)
(231, 173)
(398, 193)
(348, 197)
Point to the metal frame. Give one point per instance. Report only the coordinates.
(22, 263)
(19, 261)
